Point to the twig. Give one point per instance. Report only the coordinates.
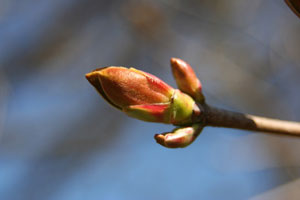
(223, 118)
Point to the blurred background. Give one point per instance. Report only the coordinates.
(59, 140)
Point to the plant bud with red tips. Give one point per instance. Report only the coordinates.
(143, 96)
(186, 79)
(180, 137)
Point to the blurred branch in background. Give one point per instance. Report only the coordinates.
(294, 5)
(4, 95)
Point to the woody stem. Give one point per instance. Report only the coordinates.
(224, 118)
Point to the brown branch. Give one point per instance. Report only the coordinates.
(223, 118)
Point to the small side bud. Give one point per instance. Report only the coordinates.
(186, 79)
(180, 137)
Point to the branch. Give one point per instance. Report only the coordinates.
(223, 118)
(146, 97)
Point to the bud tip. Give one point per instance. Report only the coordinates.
(175, 61)
(92, 77)
(160, 139)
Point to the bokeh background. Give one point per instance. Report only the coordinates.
(60, 141)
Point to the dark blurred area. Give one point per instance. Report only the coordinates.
(60, 140)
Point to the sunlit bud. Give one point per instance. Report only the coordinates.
(125, 87)
(143, 96)
(180, 137)
(186, 79)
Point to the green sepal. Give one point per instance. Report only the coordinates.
(182, 106)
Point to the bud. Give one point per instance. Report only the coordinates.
(143, 96)
(180, 137)
(186, 79)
